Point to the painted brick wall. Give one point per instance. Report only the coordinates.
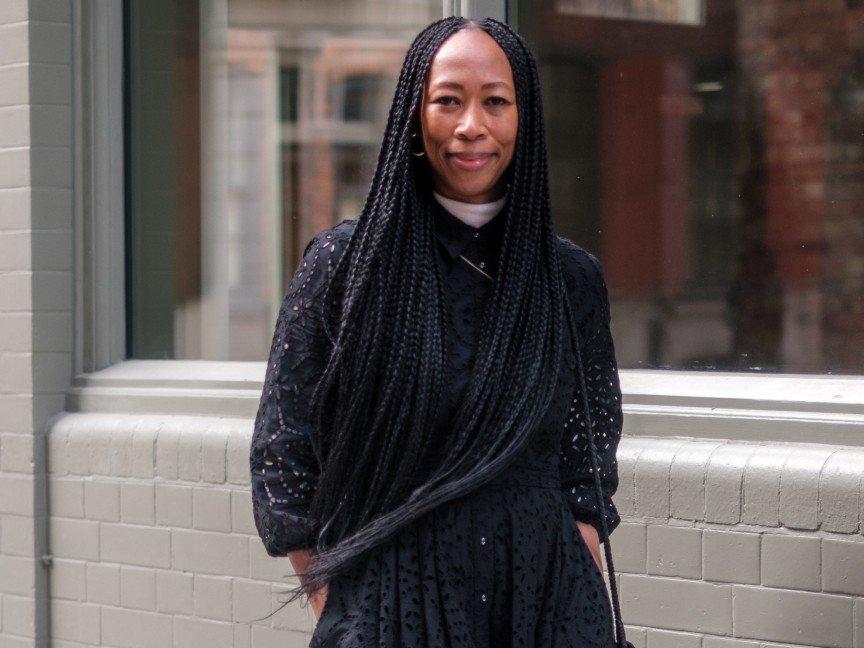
(728, 544)
(722, 544)
(35, 293)
(153, 539)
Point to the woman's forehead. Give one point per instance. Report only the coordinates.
(467, 57)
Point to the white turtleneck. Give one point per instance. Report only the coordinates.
(473, 214)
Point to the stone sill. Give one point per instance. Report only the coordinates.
(181, 387)
(809, 408)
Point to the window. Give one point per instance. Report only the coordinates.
(251, 127)
(358, 97)
(289, 91)
(710, 153)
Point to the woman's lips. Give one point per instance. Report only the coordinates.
(472, 161)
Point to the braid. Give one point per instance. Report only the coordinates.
(377, 403)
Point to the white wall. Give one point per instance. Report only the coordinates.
(722, 543)
(153, 538)
(35, 293)
(740, 544)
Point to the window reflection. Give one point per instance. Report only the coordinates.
(715, 165)
(253, 125)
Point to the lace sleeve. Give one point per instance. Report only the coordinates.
(604, 397)
(284, 469)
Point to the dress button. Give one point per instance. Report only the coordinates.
(476, 234)
(483, 540)
(483, 597)
(482, 264)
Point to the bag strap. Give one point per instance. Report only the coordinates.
(621, 638)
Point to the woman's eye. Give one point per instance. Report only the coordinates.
(497, 101)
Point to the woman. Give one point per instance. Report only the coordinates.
(419, 452)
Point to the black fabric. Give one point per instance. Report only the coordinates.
(505, 565)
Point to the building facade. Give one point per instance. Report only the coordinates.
(162, 165)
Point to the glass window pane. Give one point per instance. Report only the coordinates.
(252, 125)
(711, 155)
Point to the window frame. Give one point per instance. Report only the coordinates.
(99, 170)
(821, 408)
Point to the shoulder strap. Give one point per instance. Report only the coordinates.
(621, 639)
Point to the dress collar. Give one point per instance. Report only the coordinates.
(456, 235)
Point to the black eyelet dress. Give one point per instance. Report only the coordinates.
(504, 566)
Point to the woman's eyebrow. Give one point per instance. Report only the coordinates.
(459, 86)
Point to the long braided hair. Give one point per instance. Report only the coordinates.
(376, 404)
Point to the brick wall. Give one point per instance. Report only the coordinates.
(722, 544)
(153, 539)
(731, 544)
(35, 293)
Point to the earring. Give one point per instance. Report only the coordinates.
(421, 153)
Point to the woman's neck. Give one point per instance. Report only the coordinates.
(473, 214)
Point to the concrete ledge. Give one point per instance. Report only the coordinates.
(177, 387)
(657, 403)
(744, 406)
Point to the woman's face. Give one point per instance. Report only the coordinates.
(469, 117)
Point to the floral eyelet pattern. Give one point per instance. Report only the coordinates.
(505, 565)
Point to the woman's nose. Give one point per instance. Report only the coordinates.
(473, 121)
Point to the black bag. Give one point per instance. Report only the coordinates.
(621, 638)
